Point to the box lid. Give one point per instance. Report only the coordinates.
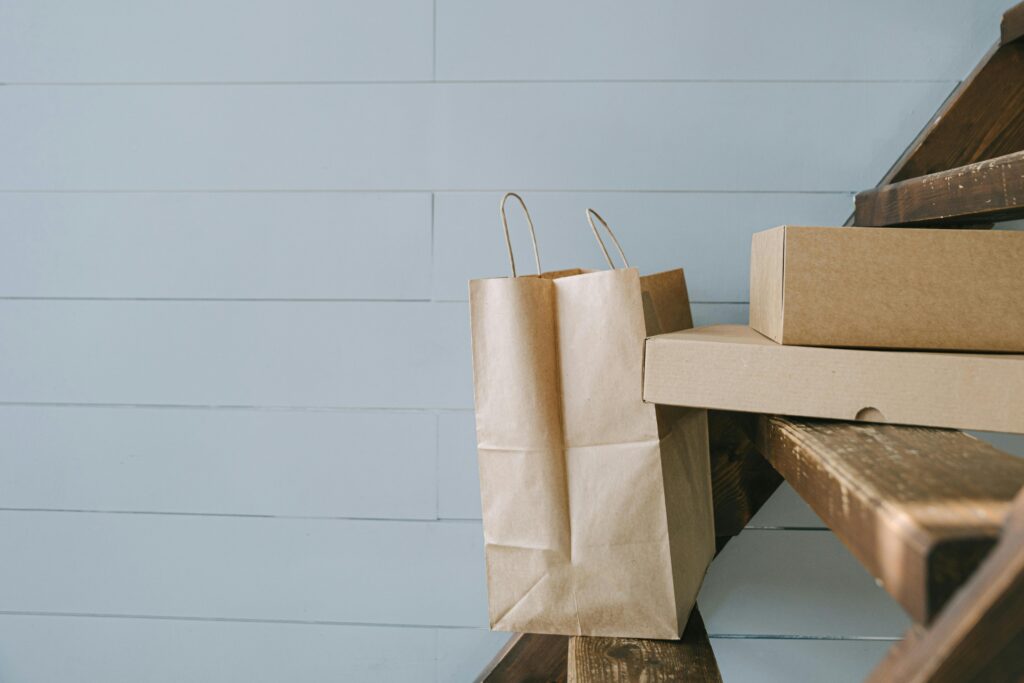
(732, 367)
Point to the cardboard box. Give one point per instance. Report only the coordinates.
(889, 288)
(732, 367)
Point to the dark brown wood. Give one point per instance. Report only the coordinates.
(629, 660)
(990, 190)
(983, 118)
(1012, 27)
(529, 658)
(741, 480)
(918, 507)
(979, 637)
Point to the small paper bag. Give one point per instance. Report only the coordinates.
(596, 506)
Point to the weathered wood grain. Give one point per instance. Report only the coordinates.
(983, 118)
(918, 507)
(741, 480)
(529, 658)
(628, 660)
(990, 190)
(979, 636)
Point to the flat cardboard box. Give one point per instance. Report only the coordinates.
(732, 367)
(907, 288)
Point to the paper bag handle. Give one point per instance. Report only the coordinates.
(591, 215)
(508, 240)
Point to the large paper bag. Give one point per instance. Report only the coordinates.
(596, 506)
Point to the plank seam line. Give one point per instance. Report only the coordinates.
(344, 518)
(744, 636)
(433, 44)
(199, 406)
(502, 81)
(317, 622)
(161, 406)
(702, 303)
(201, 299)
(460, 190)
(240, 515)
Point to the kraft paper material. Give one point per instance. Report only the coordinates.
(928, 289)
(597, 507)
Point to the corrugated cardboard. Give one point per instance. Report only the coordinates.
(732, 367)
(889, 288)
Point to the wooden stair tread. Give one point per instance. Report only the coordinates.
(980, 634)
(1012, 26)
(982, 119)
(986, 191)
(919, 507)
(741, 480)
(629, 660)
(528, 658)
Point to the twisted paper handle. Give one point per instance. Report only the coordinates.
(591, 215)
(508, 240)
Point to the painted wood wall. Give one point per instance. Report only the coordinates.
(236, 439)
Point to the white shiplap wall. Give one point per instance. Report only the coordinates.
(235, 431)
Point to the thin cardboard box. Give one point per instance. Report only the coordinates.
(957, 290)
(732, 367)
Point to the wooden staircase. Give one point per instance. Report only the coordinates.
(936, 516)
(920, 508)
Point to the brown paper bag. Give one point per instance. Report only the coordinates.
(596, 506)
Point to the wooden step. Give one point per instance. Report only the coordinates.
(741, 480)
(984, 192)
(983, 118)
(919, 507)
(628, 660)
(980, 635)
(1012, 27)
(528, 658)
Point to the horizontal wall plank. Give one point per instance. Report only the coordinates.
(244, 568)
(196, 41)
(663, 39)
(45, 649)
(458, 477)
(795, 583)
(620, 136)
(214, 353)
(390, 355)
(235, 245)
(785, 661)
(235, 462)
(706, 234)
